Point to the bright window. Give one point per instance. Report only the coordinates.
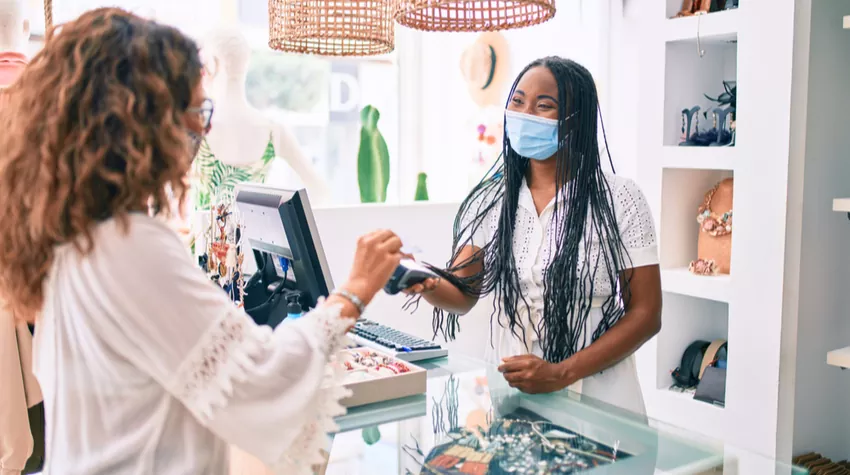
(319, 98)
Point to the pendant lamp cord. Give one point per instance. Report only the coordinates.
(48, 17)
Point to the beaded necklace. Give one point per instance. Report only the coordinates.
(711, 223)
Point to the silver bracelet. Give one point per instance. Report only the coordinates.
(355, 300)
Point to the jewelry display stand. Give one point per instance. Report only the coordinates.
(723, 123)
(690, 117)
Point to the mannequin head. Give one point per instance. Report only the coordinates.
(229, 53)
(14, 27)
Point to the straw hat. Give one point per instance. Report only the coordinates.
(485, 65)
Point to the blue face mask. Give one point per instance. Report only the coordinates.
(532, 137)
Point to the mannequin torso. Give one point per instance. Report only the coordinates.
(241, 135)
(14, 34)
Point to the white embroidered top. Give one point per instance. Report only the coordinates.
(147, 367)
(534, 247)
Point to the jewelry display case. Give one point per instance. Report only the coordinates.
(470, 421)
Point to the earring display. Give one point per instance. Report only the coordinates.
(522, 443)
(223, 256)
(724, 125)
(722, 132)
(689, 117)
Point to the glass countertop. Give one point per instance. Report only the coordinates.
(470, 419)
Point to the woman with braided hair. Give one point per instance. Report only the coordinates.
(567, 251)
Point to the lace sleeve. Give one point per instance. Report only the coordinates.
(226, 358)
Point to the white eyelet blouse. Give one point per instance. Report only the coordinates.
(533, 249)
(147, 367)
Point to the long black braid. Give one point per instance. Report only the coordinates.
(585, 200)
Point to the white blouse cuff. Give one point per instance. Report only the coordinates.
(306, 450)
(645, 256)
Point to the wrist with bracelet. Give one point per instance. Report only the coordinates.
(352, 298)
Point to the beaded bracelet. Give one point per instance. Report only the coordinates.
(355, 300)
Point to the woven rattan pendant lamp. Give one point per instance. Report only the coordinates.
(473, 15)
(332, 27)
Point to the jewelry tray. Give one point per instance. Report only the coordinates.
(389, 379)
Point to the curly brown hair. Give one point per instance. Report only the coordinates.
(92, 130)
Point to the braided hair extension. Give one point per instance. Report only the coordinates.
(584, 207)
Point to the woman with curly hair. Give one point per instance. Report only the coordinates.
(146, 366)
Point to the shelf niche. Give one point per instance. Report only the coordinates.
(688, 77)
(686, 320)
(675, 6)
(682, 192)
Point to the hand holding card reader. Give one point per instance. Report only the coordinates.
(389, 340)
(407, 274)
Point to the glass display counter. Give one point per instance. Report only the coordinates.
(471, 422)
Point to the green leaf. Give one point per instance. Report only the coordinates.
(269, 154)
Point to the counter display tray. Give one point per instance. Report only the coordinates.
(374, 376)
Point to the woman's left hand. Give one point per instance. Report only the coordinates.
(532, 374)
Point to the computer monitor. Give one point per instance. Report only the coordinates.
(278, 226)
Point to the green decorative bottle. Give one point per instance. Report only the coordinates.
(371, 435)
(421, 188)
(373, 159)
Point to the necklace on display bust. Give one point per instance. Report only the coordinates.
(711, 223)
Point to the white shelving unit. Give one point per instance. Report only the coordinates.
(841, 204)
(744, 307)
(784, 306)
(681, 281)
(840, 358)
(715, 27)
